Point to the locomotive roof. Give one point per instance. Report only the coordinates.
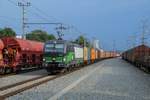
(56, 41)
(63, 41)
(137, 47)
(24, 45)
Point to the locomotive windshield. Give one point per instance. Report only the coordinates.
(59, 47)
(54, 48)
(49, 47)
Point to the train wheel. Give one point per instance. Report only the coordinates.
(17, 69)
(12, 70)
(3, 70)
(148, 69)
(51, 73)
(8, 70)
(64, 70)
(40, 66)
(69, 68)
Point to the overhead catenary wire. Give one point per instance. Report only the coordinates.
(12, 2)
(43, 13)
(45, 17)
(67, 25)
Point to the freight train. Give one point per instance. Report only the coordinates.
(61, 55)
(17, 54)
(139, 56)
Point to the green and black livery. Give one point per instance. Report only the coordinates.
(60, 54)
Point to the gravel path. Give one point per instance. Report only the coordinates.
(45, 91)
(112, 79)
(117, 80)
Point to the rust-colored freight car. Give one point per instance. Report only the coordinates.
(140, 56)
(19, 53)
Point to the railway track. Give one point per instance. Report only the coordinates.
(16, 88)
(19, 87)
(19, 83)
(21, 72)
(6, 75)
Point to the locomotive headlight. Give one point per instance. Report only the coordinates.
(54, 58)
(64, 59)
(44, 59)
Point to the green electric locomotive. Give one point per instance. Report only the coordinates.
(61, 55)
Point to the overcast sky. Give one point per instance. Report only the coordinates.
(106, 20)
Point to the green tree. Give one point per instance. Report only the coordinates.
(7, 32)
(81, 40)
(40, 35)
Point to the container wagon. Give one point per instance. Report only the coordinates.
(93, 55)
(87, 55)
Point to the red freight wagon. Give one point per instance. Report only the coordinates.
(1, 55)
(19, 53)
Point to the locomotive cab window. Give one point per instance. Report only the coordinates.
(54, 47)
(49, 47)
(59, 47)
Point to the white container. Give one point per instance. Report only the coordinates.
(78, 52)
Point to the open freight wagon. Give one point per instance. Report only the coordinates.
(20, 54)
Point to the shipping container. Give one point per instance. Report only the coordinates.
(78, 52)
(85, 55)
(93, 55)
